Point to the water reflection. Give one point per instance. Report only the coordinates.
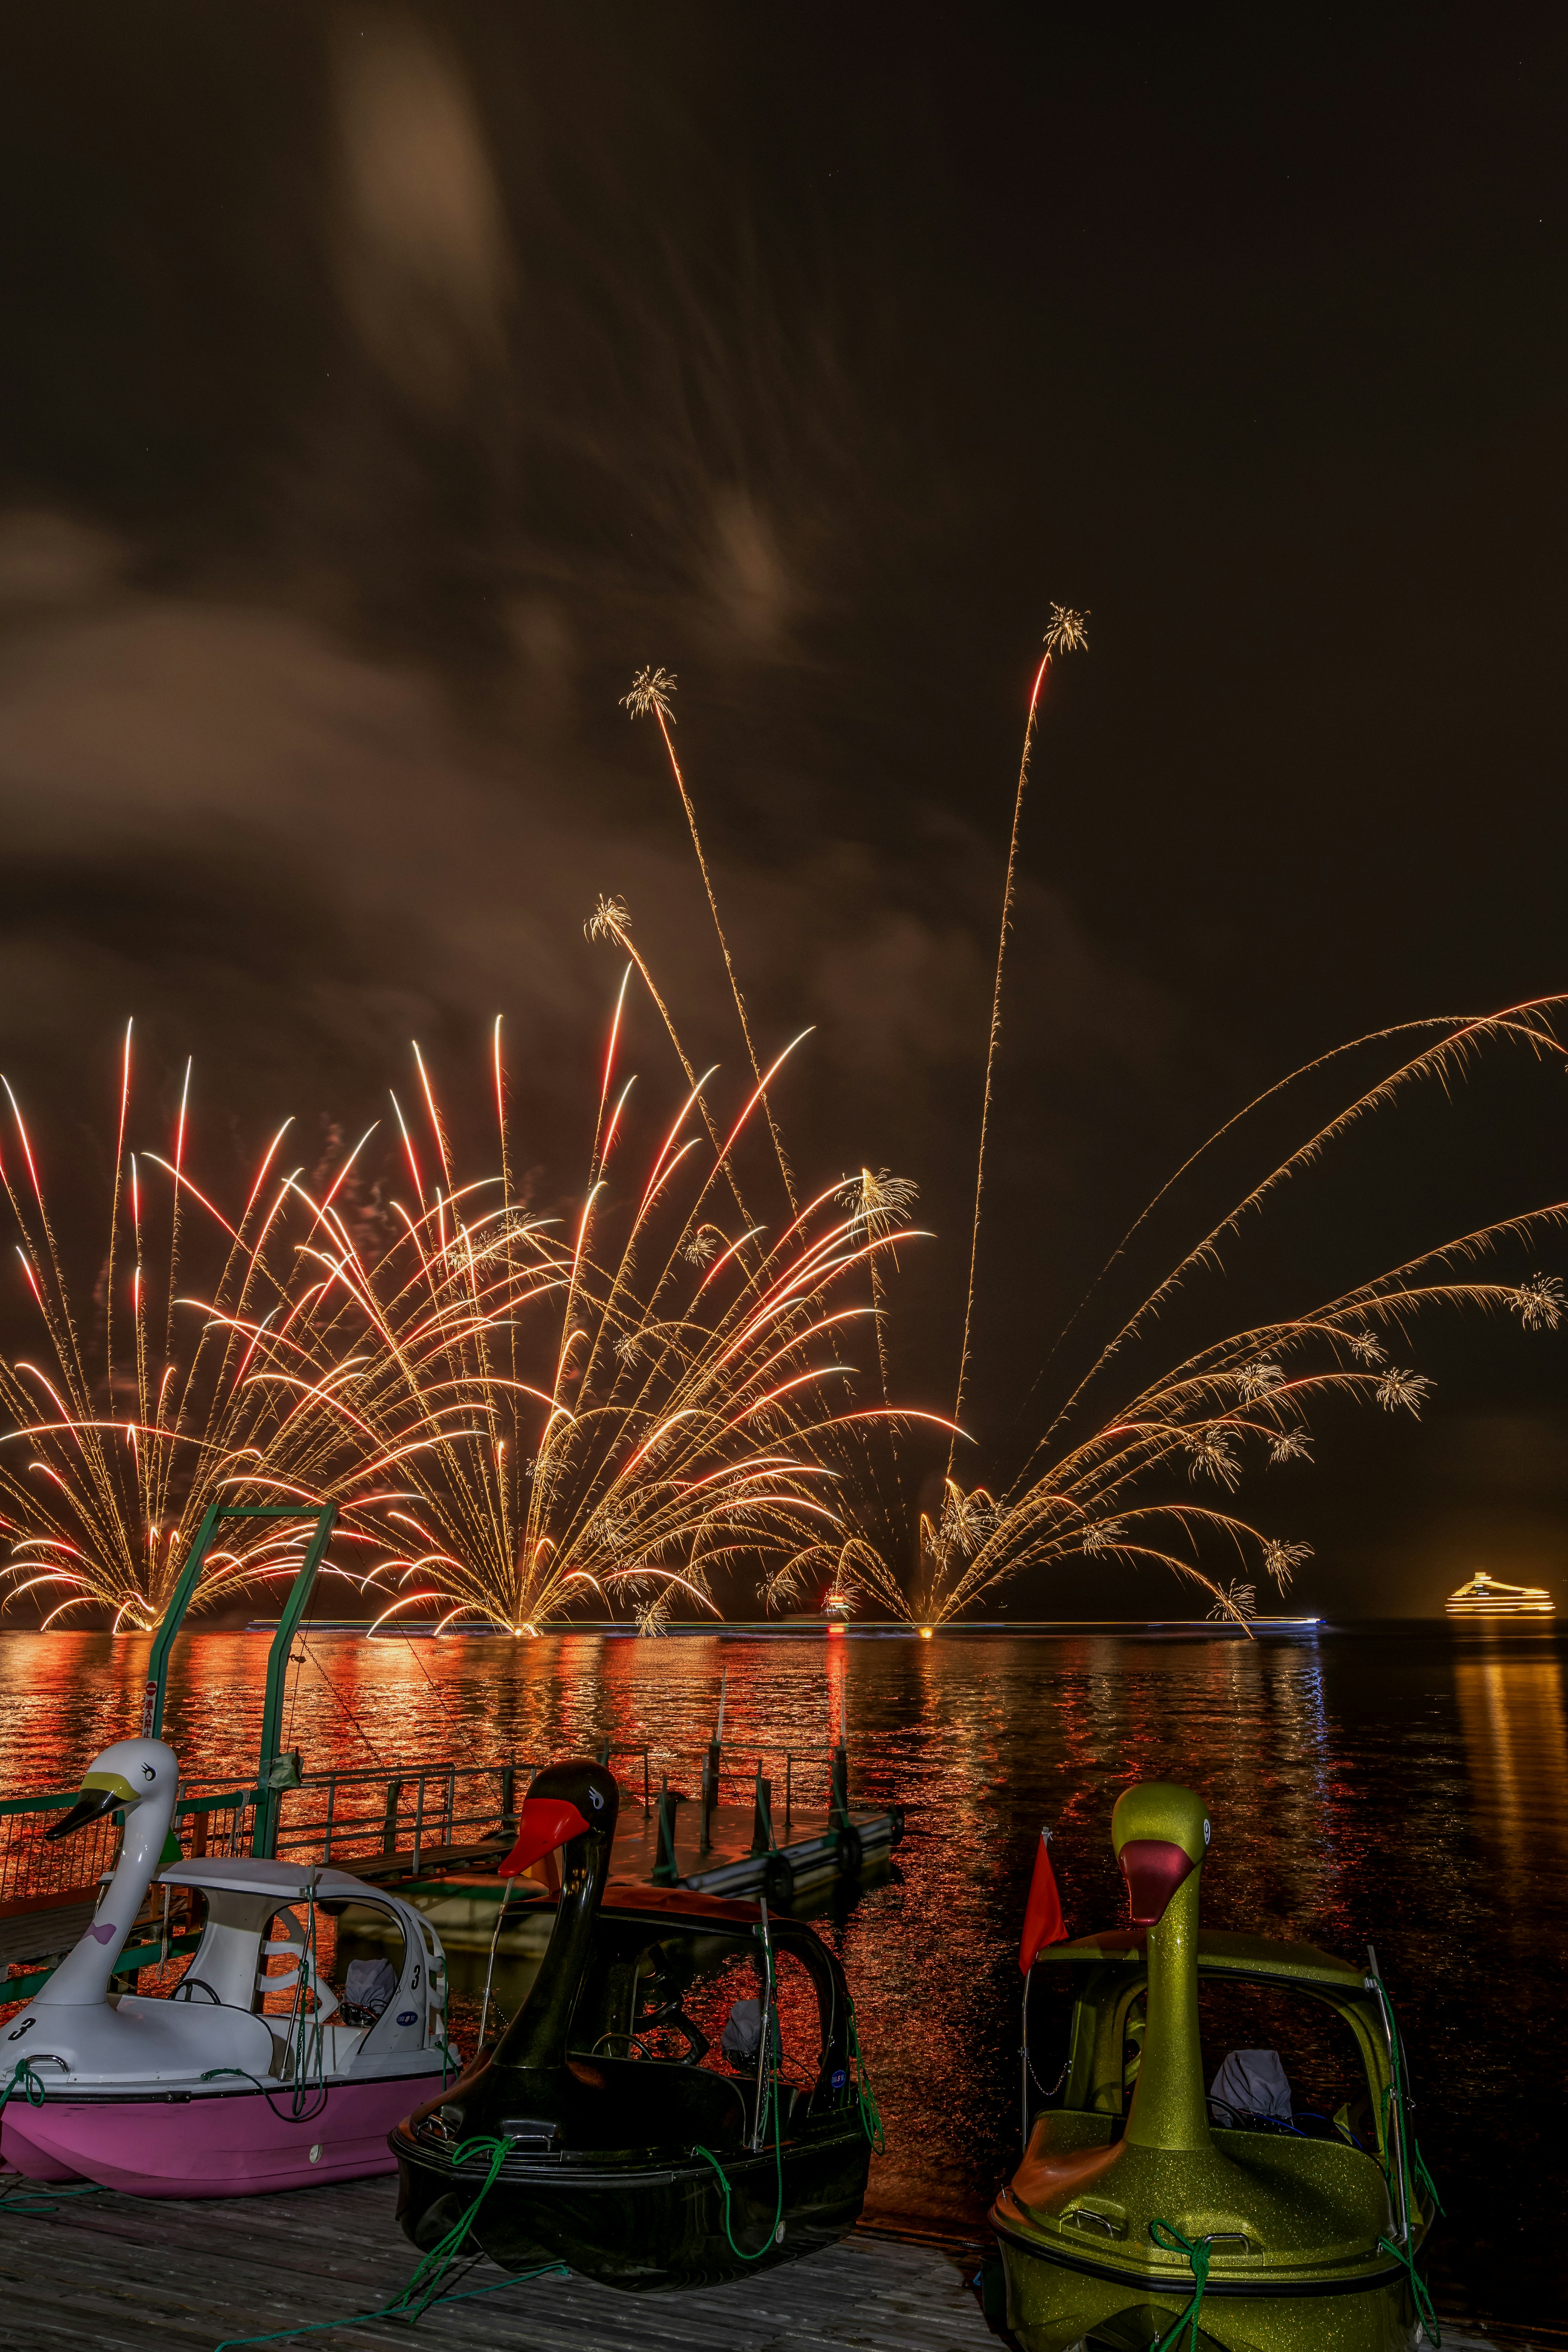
(1510, 1704)
(1402, 1786)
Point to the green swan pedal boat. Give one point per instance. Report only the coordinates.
(1184, 2218)
(604, 2130)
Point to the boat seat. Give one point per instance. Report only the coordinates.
(615, 2102)
(1251, 2090)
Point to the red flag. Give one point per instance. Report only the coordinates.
(1043, 1922)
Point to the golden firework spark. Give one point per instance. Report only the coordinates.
(1237, 1400)
(652, 691)
(1068, 633)
(542, 1417)
(142, 1408)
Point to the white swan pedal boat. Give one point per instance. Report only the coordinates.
(205, 2092)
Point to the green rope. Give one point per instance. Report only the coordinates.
(1414, 2167)
(1197, 2251)
(423, 2290)
(864, 2093)
(25, 2080)
(1418, 2295)
(12, 2201)
(358, 2318)
(776, 2228)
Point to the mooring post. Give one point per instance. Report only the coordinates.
(762, 1840)
(840, 1787)
(509, 1796)
(710, 1793)
(713, 1766)
(664, 1873)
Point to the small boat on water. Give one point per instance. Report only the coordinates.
(1488, 1597)
(678, 2100)
(207, 2092)
(1140, 2195)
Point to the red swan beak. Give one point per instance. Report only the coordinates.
(543, 1823)
(1154, 1869)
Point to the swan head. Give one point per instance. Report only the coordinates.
(126, 1775)
(1160, 1833)
(564, 1804)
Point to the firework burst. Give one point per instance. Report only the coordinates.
(1243, 1399)
(624, 1405)
(141, 1408)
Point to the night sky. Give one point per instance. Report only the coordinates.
(380, 387)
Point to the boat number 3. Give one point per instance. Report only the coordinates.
(408, 2017)
(26, 2027)
(414, 1979)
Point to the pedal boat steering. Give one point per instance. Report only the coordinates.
(604, 2166)
(199, 2093)
(1310, 2241)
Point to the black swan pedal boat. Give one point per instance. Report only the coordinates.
(614, 2135)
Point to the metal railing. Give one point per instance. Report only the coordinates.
(344, 1816)
(347, 1816)
(33, 1866)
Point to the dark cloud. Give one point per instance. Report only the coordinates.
(383, 384)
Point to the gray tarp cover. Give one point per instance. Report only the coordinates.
(1253, 2083)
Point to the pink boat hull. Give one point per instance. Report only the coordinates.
(233, 2145)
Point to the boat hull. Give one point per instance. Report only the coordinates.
(1054, 2305)
(645, 2223)
(223, 2143)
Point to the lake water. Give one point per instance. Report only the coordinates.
(1403, 1784)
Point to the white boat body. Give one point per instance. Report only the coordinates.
(199, 2093)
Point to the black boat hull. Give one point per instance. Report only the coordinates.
(642, 2224)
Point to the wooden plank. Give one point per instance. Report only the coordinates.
(111, 2273)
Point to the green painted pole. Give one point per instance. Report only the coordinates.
(170, 1623)
(326, 1518)
(267, 1799)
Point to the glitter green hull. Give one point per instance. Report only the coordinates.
(1307, 2236)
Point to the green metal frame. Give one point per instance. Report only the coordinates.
(326, 1518)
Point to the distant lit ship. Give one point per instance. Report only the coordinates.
(1485, 1597)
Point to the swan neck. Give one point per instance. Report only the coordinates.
(537, 2034)
(85, 1974)
(1169, 2108)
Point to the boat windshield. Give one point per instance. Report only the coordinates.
(1276, 2060)
(695, 1999)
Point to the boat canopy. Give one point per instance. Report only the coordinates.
(288, 1882)
(1219, 1953)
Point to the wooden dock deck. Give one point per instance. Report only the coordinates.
(111, 2273)
(103, 2272)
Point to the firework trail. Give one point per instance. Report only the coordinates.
(652, 691)
(1066, 634)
